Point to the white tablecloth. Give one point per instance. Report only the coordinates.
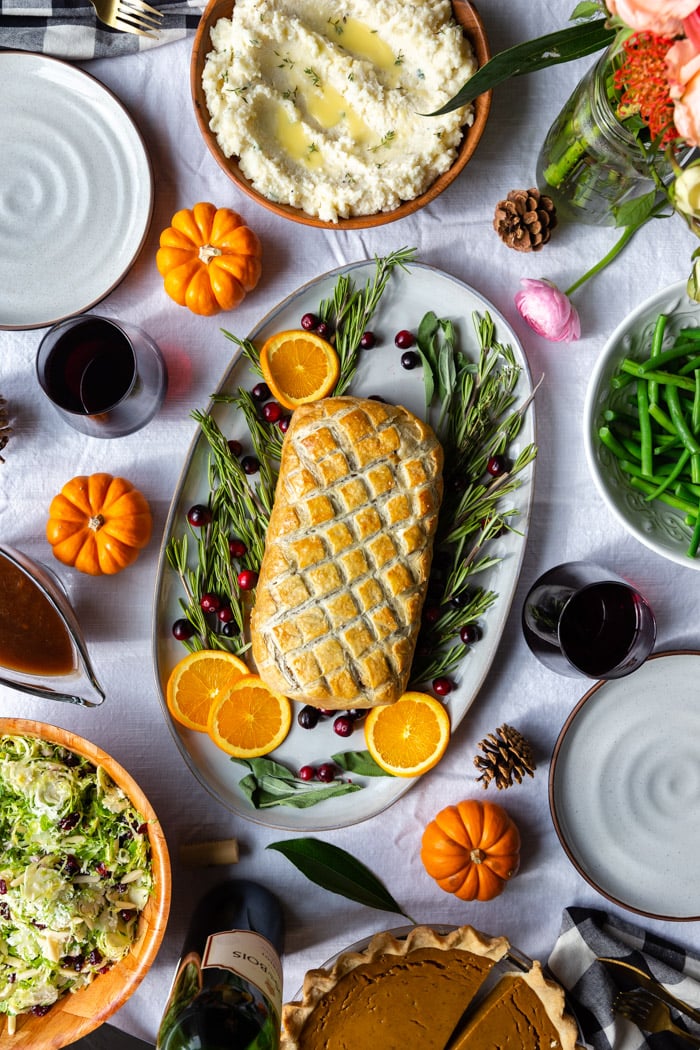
(569, 519)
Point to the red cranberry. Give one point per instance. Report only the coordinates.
(496, 466)
(199, 515)
(409, 360)
(326, 772)
(284, 424)
(230, 629)
(442, 686)
(357, 714)
(470, 633)
(272, 412)
(404, 339)
(307, 773)
(308, 717)
(225, 614)
(247, 579)
(323, 329)
(343, 725)
(309, 322)
(237, 548)
(210, 603)
(431, 613)
(368, 340)
(182, 630)
(260, 392)
(235, 447)
(250, 464)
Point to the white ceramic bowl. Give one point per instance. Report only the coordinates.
(659, 527)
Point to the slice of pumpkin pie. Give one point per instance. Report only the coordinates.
(409, 995)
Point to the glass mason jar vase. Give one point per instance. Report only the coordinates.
(590, 163)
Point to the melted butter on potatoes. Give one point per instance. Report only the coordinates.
(322, 102)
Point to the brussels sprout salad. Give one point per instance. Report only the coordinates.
(75, 873)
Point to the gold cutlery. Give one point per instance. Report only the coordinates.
(130, 16)
(632, 976)
(649, 1013)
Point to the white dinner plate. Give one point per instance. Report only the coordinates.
(76, 192)
(408, 296)
(624, 787)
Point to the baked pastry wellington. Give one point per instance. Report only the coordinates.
(401, 994)
(347, 553)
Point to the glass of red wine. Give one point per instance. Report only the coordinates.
(582, 619)
(104, 377)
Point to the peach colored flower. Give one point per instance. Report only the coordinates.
(658, 16)
(683, 63)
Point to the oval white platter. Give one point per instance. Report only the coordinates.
(624, 787)
(659, 527)
(77, 191)
(408, 296)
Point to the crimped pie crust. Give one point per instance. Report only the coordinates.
(319, 982)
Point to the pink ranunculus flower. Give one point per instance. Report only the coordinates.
(548, 311)
(683, 64)
(691, 28)
(664, 17)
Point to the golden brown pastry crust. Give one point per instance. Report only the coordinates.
(317, 983)
(347, 553)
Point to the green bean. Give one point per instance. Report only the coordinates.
(653, 428)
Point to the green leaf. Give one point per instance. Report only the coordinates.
(359, 762)
(271, 784)
(339, 872)
(532, 55)
(637, 211)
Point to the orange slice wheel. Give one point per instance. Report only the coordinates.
(197, 681)
(250, 720)
(299, 367)
(409, 737)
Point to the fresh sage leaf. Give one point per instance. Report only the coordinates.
(336, 870)
(359, 762)
(532, 55)
(637, 211)
(271, 784)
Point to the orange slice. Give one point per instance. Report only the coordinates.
(197, 681)
(250, 720)
(409, 737)
(299, 367)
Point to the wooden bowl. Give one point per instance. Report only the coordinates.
(468, 17)
(76, 1014)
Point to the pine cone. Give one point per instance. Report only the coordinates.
(5, 428)
(525, 220)
(507, 757)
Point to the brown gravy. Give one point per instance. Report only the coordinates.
(33, 638)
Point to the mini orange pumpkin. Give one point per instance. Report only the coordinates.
(471, 849)
(98, 524)
(210, 260)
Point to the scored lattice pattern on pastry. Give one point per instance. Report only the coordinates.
(347, 554)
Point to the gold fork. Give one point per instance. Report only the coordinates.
(649, 1013)
(131, 16)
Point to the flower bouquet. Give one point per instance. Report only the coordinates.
(624, 148)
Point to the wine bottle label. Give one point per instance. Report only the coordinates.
(252, 957)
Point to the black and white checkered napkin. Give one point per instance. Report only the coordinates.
(587, 935)
(70, 29)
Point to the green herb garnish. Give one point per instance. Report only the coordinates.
(270, 784)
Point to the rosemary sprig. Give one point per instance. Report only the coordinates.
(349, 311)
(476, 421)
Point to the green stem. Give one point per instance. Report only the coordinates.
(627, 235)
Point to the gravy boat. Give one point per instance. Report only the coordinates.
(78, 684)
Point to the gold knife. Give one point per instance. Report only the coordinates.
(633, 976)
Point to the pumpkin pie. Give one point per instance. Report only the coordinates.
(408, 994)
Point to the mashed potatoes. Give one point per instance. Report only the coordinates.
(321, 101)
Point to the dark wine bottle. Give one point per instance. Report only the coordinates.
(227, 991)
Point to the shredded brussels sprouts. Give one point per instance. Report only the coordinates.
(75, 873)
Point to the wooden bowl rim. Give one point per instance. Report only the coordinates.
(58, 1028)
(468, 17)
